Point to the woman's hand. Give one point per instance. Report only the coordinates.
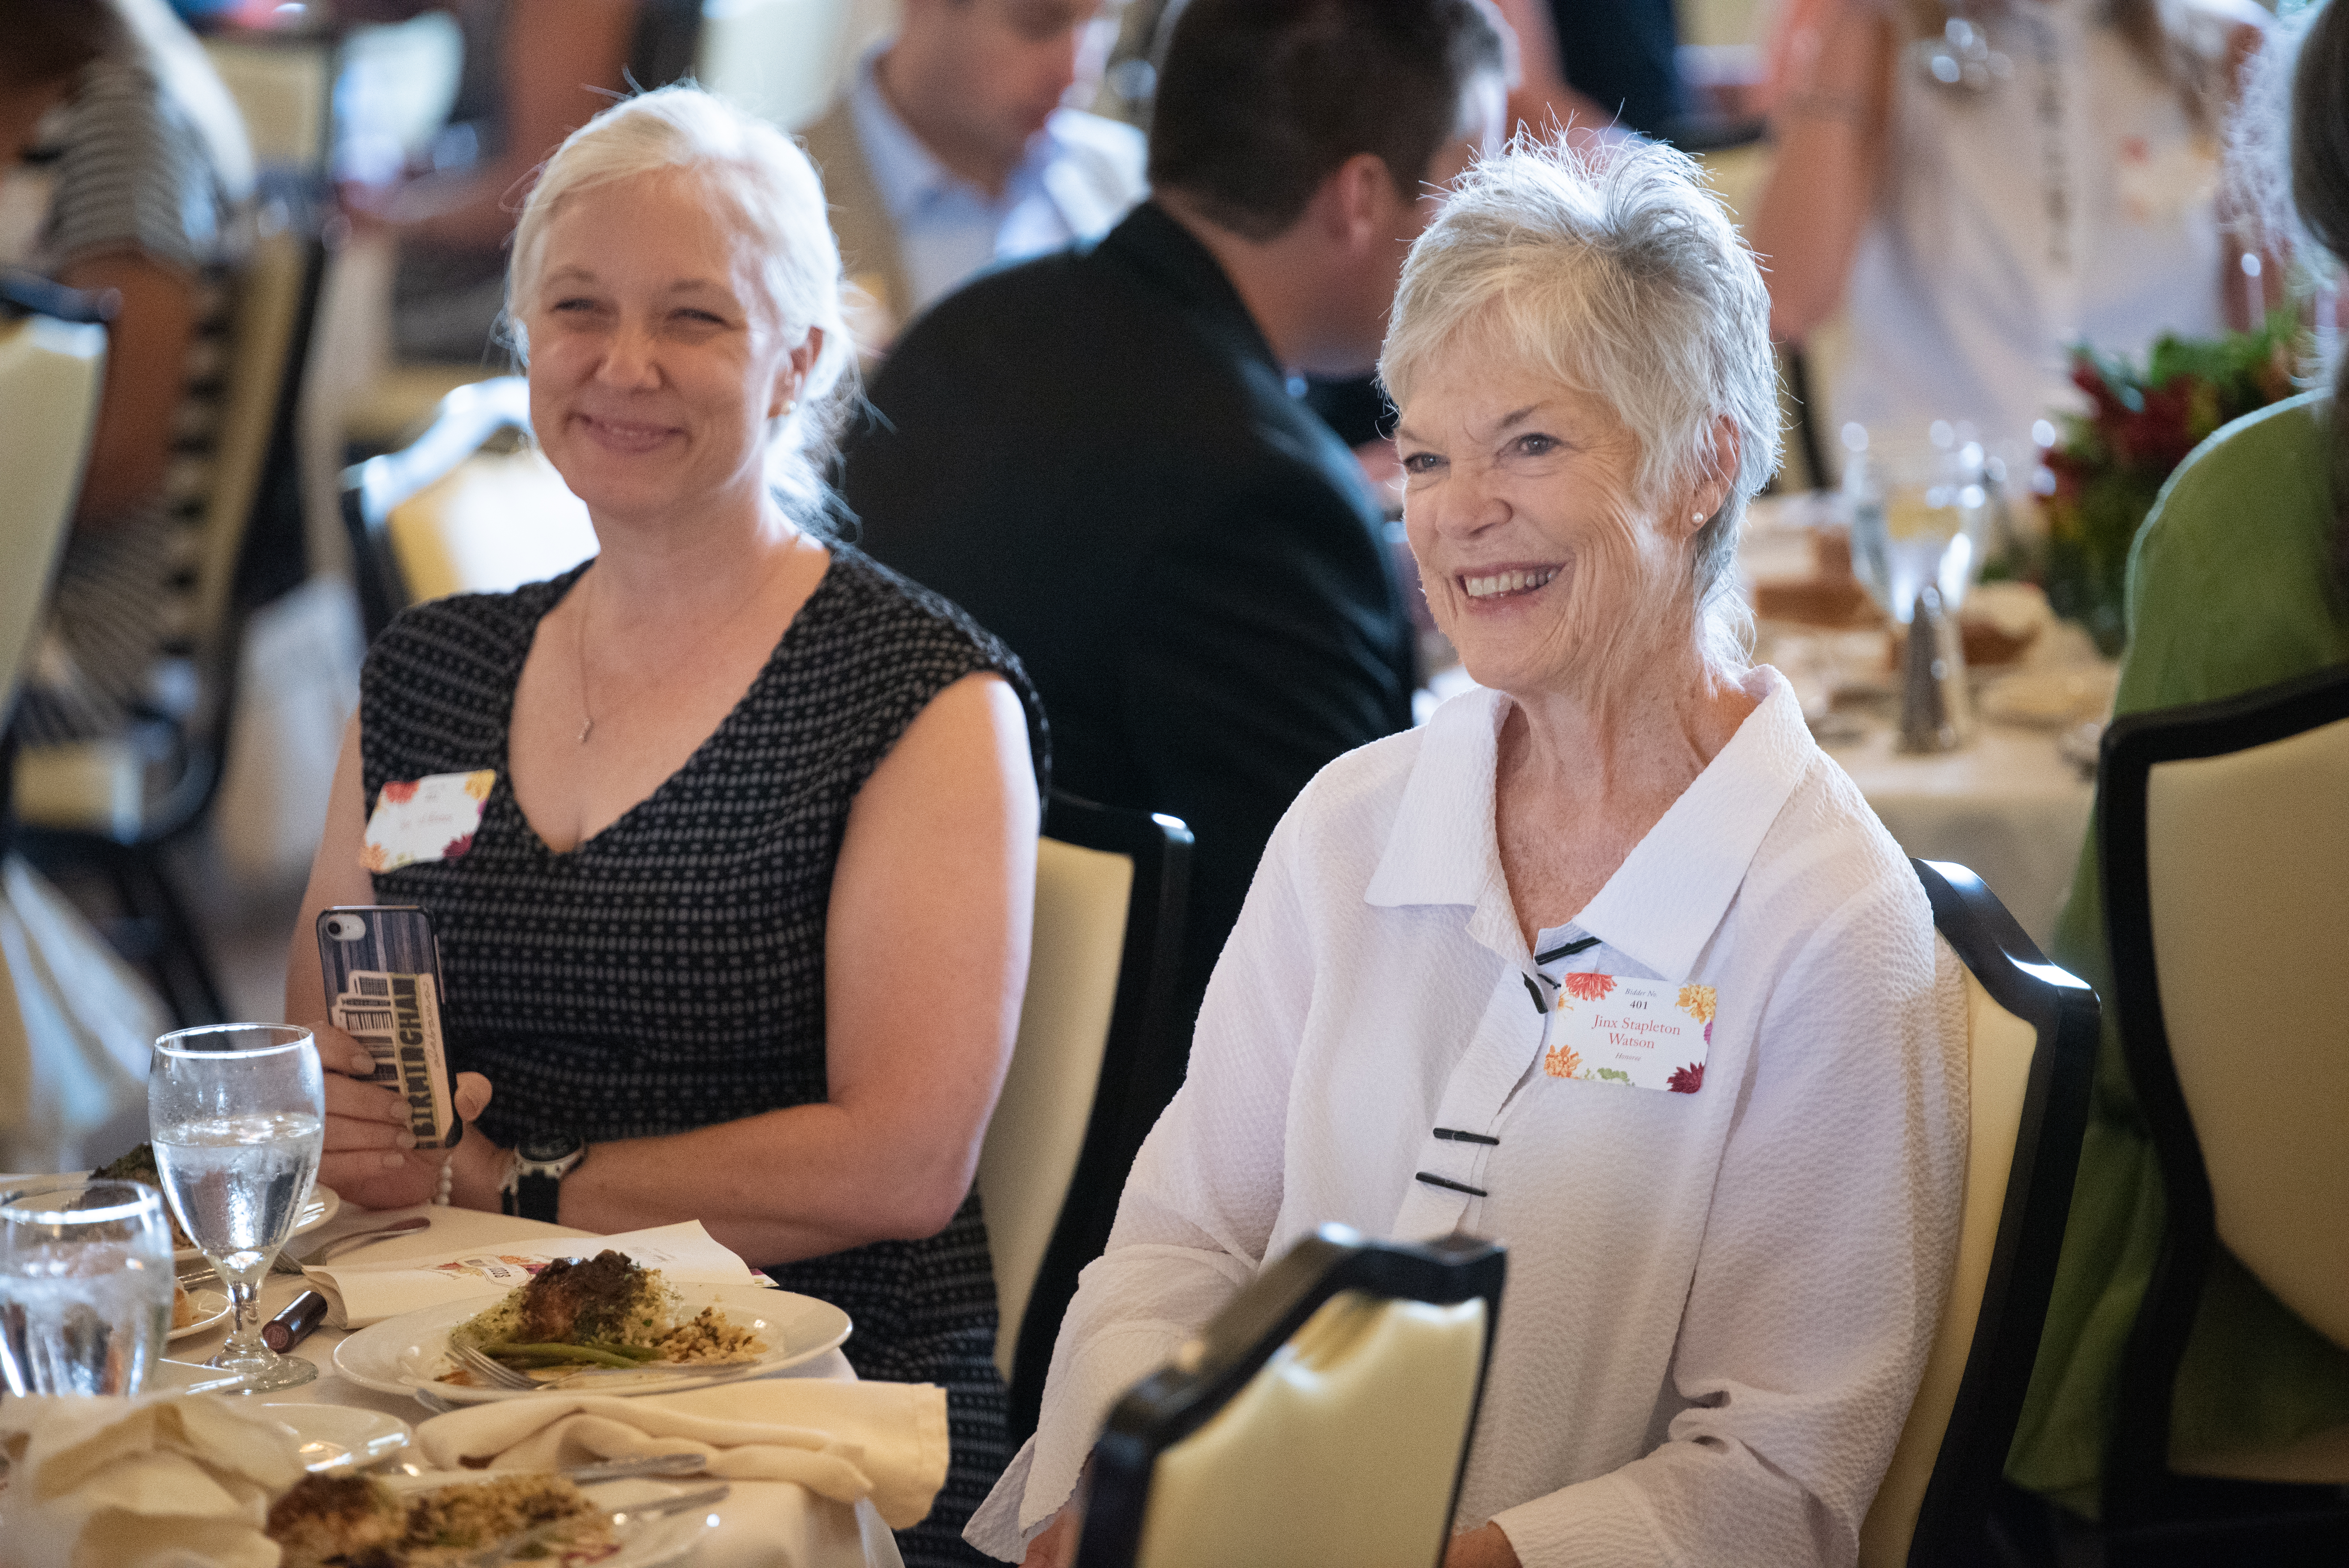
(1486, 1548)
(371, 1157)
(1057, 1547)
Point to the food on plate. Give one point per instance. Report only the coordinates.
(139, 1165)
(183, 1306)
(604, 1311)
(351, 1522)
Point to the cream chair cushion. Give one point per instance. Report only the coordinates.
(1341, 1453)
(491, 524)
(2248, 863)
(50, 372)
(280, 88)
(2000, 1047)
(1039, 1128)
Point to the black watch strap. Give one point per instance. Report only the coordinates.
(538, 1197)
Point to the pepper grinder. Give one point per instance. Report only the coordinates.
(1936, 713)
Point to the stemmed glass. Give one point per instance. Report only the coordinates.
(85, 1286)
(238, 1113)
(1919, 514)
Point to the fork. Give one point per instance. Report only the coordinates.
(491, 1373)
(284, 1263)
(531, 1543)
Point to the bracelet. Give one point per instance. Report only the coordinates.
(440, 1188)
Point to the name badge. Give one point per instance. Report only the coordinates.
(424, 819)
(1641, 1033)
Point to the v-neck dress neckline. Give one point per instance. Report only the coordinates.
(770, 669)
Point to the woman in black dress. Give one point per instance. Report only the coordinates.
(745, 912)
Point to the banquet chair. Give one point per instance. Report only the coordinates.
(52, 369)
(117, 803)
(2031, 1049)
(1321, 1420)
(1095, 1026)
(2226, 867)
(454, 511)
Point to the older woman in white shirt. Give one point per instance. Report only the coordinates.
(1730, 1231)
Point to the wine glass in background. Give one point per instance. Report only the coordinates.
(85, 1286)
(238, 1115)
(1921, 515)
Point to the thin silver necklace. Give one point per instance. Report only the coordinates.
(586, 711)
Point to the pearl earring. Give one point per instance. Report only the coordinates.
(1699, 516)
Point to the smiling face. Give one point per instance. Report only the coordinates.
(1540, 560)
(655, 363)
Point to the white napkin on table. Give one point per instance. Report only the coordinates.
(360, 1294)
(160, 1482)
(844, 1442)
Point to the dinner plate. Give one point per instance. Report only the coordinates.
(338, 1436)
(404, 1355)
(646, 1545)
(212, 1309)
(322, 1207)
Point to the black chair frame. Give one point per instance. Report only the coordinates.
(1174, 1402)
(1953, 1523)
(467, 420)
(1142, 1031)
(2140, 1492)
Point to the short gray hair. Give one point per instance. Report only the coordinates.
(1620, 274)
(760, 180)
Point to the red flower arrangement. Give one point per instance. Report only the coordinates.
(2109, 464)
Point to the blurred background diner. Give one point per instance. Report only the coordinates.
(2053, 304)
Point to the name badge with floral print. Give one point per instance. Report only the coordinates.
(1641, 1033)
(423, 819)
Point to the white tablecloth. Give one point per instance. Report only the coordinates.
(766, 1524)
(2008, 806)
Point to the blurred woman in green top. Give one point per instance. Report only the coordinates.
(2239, 580)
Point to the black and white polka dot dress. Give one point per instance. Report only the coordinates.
(668, 974)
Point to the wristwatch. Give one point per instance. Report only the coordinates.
(533, 1184)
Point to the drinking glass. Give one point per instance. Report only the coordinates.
(1921, 515)
(238, 1114)
(85, 1286)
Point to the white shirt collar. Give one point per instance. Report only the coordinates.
(1666, 899)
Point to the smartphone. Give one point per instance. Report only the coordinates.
(382, 969)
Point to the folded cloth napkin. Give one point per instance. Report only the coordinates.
(162, 1482)
(358, 1294)
(844, 1442)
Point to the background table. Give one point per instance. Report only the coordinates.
(2009, 807)
(824, 1542)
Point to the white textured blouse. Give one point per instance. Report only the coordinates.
(1718, 1303)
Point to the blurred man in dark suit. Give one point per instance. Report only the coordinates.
(1098, 455)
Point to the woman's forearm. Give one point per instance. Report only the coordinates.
(1829, 124)
(774, 1188)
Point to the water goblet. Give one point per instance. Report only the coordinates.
(1920, 513)
(238, 1114)
(85, 1286)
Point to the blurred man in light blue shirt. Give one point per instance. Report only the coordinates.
(955, 150)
